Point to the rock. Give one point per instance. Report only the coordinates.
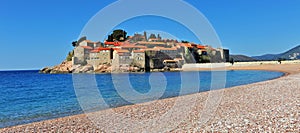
(109, 69)
(136, 69)
(75, 68)
(68, 67)
(87, 68)
(103, 68)
(99, 68)
(90, 71)
(64, 67)
(45, 70)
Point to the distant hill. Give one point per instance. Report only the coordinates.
(241, 58)
(267, 57)
(292, 54)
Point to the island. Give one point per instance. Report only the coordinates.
(137, 53)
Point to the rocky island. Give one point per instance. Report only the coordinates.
(137, 53)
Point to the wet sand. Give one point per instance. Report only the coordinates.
(269, 106)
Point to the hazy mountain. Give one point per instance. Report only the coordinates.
(292, 54)
(267, 57)
(241, 58)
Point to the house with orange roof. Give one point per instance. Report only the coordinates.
(200, 46)
(100, 56)
(188, 45)
(142, 53)
(87, 52)
(112, 44)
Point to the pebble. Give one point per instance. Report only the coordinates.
(270, 106)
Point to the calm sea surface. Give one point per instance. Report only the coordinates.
(27, 96)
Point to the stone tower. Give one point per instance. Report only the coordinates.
(145, 35)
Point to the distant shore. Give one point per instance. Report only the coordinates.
(269, 106)
(285, 66)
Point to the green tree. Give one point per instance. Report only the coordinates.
(205, 59)
(183, 41)
(74, 43)
(117, 35)
(70, 55)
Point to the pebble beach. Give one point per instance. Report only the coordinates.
(269, 106)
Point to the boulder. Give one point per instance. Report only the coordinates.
(99, 68)
(64, 67)
(76, 68)
(45, 70)
(87, 68)
(103, 68)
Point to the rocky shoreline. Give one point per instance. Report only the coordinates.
(67, 67)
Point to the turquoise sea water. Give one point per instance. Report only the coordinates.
(27, 96)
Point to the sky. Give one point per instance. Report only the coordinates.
(38, 33)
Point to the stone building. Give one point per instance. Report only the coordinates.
(121, 60)
(81, 54)
(139, 58)
(82, 51)
(100, 56)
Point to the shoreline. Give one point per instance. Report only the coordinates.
(287, 69)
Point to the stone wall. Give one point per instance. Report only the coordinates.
(139, 59)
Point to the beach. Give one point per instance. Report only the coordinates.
(269, 106)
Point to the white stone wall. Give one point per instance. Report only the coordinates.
(79, 55)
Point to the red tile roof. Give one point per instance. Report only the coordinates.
(95, 51)
(163, 48)
(133, 46)
(194, 45)
(109, 43)
(116, 48)
(138, 51)
(113, 43)
(122, 51)
(151, 43)
(101, 48)
(200, 47)
(186, 45)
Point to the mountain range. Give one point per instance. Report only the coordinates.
(292, 54)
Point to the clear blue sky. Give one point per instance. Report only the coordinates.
(38, 33)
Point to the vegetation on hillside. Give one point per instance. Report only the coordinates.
(70, 55)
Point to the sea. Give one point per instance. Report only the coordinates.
(28, 96)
